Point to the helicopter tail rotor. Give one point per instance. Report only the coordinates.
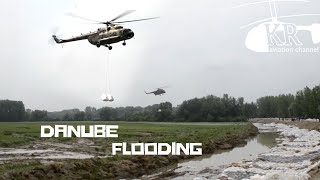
(53, 39)
(56, 39)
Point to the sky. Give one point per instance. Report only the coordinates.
(196, 48)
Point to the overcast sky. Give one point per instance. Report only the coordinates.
(195, 47)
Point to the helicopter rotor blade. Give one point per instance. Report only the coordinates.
(122, 14)
(80, 17)
(135, 20)
(164, 87)
(111, 22)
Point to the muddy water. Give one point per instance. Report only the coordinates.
(209, 166)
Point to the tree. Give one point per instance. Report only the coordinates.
(28, 114)
(249, 110)
(39, 115)
(79, 116)
(107, 114)
(90, 113)
(283, 105)
(11, 110)
(67, 117)
(164, 112)
(267, 107)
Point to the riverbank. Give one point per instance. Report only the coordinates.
(296, 157)
(213, 137)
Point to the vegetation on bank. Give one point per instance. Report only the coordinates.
(213, 137)
(206, 109)
(16, 134)
(305, 104)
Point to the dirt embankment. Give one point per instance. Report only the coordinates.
(229, 141)
(122, 166)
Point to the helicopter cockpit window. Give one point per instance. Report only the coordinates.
(118, 27)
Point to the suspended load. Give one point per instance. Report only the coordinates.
(107, 97)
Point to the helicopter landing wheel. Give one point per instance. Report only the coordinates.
(109, 47)
(98, 45)
(124, 43)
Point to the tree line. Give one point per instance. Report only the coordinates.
(305, 104)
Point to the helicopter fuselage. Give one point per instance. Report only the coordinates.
(106, 37)
(102, 37)
(157, 92)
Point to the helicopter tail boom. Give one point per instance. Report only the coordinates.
(75, 38)
(56, 39)
(148, 92)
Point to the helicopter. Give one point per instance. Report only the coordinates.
(105, 36)
(157, 92)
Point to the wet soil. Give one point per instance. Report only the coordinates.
(117, 167)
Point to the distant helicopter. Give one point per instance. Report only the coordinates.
(105, 36)
(157, 92)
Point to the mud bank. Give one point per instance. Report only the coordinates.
(230, 141)
(296, 157)
(123, 166)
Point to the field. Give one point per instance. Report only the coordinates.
(23, 154)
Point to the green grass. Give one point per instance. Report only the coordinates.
(15, 134)
(19, 167)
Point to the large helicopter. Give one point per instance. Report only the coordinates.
(105, 36)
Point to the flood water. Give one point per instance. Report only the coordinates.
(210, 166)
